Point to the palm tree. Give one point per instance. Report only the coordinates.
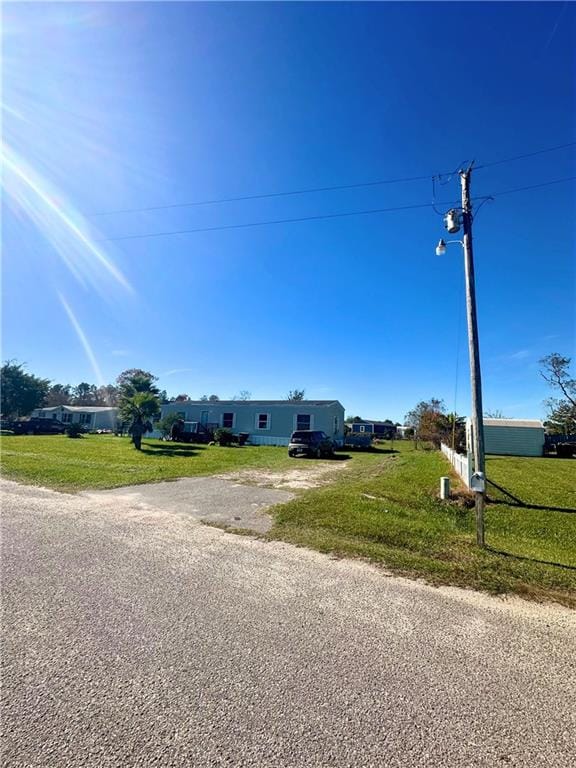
(139, 409)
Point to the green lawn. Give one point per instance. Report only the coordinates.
(387, 511)
(382, 506)
(529, 531)
(105, 461)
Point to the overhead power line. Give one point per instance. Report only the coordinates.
(310, 190)
(262, 196)
(271, 221)
(533, 186)
(320, 217)
(522, 157)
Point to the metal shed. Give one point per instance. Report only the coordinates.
(514, 437)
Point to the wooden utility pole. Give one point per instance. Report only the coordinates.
(474, 354)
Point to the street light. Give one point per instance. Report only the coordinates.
(441, 247)
(452, 221)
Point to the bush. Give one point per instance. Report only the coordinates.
(75, 430)
(224, 436)
(165, 425)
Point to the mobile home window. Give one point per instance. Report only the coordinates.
(227, 420)
(303, 421)
(263, 421)
(85, 418)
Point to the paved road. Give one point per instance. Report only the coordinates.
(137, 637)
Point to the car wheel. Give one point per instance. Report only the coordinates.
(291, 454)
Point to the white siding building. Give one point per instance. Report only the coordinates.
(92, 417)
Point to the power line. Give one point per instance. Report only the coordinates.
(262, 196)
(309, 190)
(320, 217)
(532, 186)
(529, 154)
(272, 221)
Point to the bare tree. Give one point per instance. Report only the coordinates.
(556, 372)
(496, 414)
(295, 395)
(561, 412)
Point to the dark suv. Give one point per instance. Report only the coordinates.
(309, 442)
(37, 426)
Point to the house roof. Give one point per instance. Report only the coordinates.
(385, 423)
(533, 423)
(81, 408)
(257, 402)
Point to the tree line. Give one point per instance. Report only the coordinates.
(22, 392)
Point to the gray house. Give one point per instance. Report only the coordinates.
(92, 417)
(268, 422)
(383, 429)
(511, 437)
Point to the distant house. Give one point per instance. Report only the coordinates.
(268, 422)
(92, 417)
(511, 437)
(383, 429)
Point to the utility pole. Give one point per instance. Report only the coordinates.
(474, 354)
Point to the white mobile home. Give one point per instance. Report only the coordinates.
(92, 417)
(267, 422)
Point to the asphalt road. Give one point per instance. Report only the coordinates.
(139, 637)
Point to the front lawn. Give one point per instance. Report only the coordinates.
(388, 512)
(533, 509)
(382, 506)
(106, 461)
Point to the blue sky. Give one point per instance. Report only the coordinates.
(119, 106)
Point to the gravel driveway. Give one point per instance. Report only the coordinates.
(135, 636)
(208, 499)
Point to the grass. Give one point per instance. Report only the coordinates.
(387, 511)
(105, 461)
(382, 506)
(538, 518)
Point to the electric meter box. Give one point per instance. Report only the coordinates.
(478, 482)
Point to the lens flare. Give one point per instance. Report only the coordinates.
(58, 221)
(83, 340)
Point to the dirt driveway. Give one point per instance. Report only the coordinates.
(236, 500)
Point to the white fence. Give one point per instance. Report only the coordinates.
(462, 464)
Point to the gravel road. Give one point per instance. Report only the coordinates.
(139, 637)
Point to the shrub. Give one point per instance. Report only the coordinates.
(75, 430)
(165, 425)
(224, 436)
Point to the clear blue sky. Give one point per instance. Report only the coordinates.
(114, 106)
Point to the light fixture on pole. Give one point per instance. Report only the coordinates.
(441, 247)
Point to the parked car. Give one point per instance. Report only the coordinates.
(37, 426)
(310, 442)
